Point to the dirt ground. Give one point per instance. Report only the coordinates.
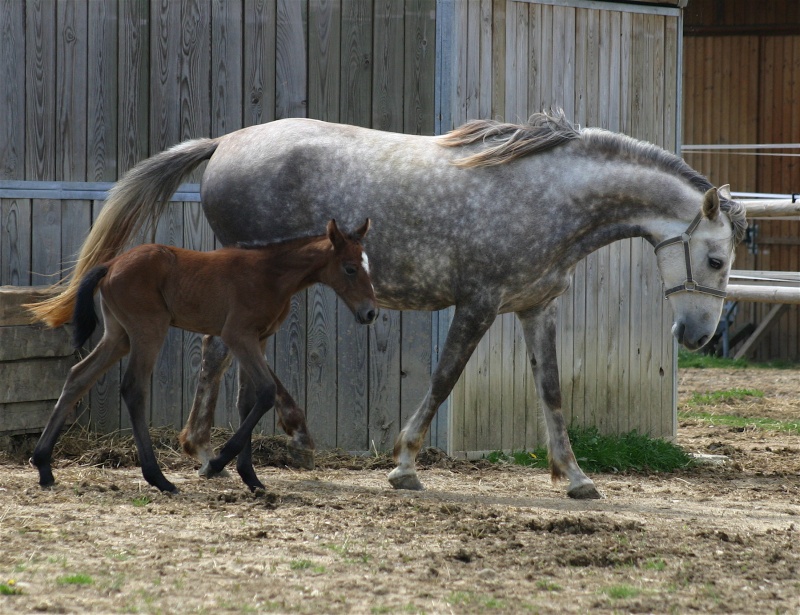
(481, 538)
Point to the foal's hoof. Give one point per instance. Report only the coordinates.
(302, 458)
(584, 492)
(206, 472)
(405, 481)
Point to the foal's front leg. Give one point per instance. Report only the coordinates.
(257, 391)
(539, 325)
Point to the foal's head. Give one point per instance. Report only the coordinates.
(348, 272)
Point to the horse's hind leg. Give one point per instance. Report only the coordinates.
(293, 421)
(195, 438)
(539, 326)
(135, 391)
(469, 324)
(111, 348)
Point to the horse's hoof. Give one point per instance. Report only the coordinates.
(302, 458)
(584, 492)
(405, 481)
(206, 472)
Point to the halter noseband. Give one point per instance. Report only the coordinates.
(689, 285)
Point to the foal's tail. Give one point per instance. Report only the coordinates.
(138, 199)
(84, 319)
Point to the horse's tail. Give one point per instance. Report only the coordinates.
(139, 198)
(84, 318)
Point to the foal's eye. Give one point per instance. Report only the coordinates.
(715, 263)
(350, 270)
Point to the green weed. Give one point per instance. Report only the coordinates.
(726, 396)
(9, 588)
(620, 592)
(142, 500)
(743, 422)
(609, 453)
(75, 579)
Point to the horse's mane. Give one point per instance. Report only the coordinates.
(504, 142)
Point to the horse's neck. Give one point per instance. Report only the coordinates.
(299, 263)
(649, 204)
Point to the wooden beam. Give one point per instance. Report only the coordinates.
(764, 294)
(771, 209)
(762, 329)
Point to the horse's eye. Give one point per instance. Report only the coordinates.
(350, 270)
(715, 263)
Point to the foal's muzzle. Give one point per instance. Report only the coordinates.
(367, 315)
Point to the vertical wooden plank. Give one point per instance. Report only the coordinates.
(40, 71)
(473, 59)
(355, 92)
(356, 63)
(291, 73)
(46, 250)
(486, 80)
(419, 65)
(498, 59)
(291, 61)
(165, 130)
(15, 242)
(259, 51)
(12, 101)
(415, 361)
(71, 49)
(324, 68)
(102, 71)
(133, 84)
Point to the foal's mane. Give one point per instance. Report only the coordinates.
(504, 142)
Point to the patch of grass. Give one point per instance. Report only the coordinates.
(304, 564)
(142, 500)
(743, 422)
(9, 588)
(548, 586)
(620, 592)
(655, 564)
(470, 598)
(75, 579)
(609, 453)
(349, 556)
(687, 358)
(726, 396)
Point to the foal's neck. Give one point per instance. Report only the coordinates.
(301, 260)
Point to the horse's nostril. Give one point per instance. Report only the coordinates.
(702, 341)
(371, 316)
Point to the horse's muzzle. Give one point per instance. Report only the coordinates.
(367, 316)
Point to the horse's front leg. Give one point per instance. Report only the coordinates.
(292, 420)
(470, 322)
(539, 325)
(195, 437)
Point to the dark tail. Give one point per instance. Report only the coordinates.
(84, 318)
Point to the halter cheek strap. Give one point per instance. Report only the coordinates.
(689, 285)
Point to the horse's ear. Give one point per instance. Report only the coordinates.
(725, 192)
(335, 235)
(711, 204)
(361, 232)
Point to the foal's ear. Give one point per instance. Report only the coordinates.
(335, 235)
(711, 204)
(360, 232)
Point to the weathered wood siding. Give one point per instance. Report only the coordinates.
(89, 88)
(609, 65)
(741, 73)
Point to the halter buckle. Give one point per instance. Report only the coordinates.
(690, 286)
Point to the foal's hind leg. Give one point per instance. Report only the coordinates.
(196, 435)
(111, 348)
(135, 391)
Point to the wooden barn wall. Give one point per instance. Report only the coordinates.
(609, 65)
(741, 70)
(89, 88)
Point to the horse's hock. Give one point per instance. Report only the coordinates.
(34, 362)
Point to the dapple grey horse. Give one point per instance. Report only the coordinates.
(491, 218)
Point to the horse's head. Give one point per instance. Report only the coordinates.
(695, 267)
(348, 272)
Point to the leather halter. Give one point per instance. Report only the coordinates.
(689, 285)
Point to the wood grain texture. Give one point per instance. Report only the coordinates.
(132, 85)
(102, 76)
(321, 365)
(291, 61)
(15, 242)
(384, 380)
(352, 390)
(40, 71)
(356, 63)
(12, 99)
(71, 90)
(227, 66)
